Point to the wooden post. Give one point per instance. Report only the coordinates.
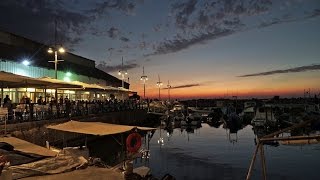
(252, 162)
(1, 93)
(263, 162)
(5, 126)
(45, 95)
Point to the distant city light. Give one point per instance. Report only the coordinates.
(26, 62)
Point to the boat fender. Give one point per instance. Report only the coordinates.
(133, 142)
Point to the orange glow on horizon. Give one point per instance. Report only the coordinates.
(189, 94)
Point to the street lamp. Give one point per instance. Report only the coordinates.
(26, 62)
(159, 84)
(122, 73)
(169, 87)
(144, 78)
(55, 51)
(56, 61)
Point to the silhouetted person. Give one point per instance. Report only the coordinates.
(61, 100)
(6, 100)
(40, 100)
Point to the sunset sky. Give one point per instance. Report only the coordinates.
(206, 49)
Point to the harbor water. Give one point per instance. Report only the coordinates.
(211, 152)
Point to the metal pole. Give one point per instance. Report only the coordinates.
(144, 89)
(122, 80)
(159, 93)
(56, 63)
(56, 72)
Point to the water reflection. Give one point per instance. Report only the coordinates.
(217, 150)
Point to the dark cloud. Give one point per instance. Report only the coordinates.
(113, 32)
(124, 39)
(183, 12)
(101, 8)
(106, 68)
(171, 46)
(200, 21)
(203, 19)
(35, 20)
(314, 13)
(184, 86)
(290, 70)
(156, 28)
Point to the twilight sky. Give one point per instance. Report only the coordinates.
(248, 48)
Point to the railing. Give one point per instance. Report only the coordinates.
(35, 112)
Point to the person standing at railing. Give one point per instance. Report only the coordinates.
(68, 107)
(61, 100)
(5, 100)
(40, 101)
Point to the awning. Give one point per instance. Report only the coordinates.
(95, 128)
(27, 147)
(59, 83)
(125, 90)
(88, 86)
(11, 80)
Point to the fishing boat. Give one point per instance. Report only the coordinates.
(263, 115)
(230, 117)
(248, 111)
(190, 121)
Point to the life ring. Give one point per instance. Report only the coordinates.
(133, 142)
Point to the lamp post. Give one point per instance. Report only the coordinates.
(169, 87)
(122, 73)
(56, 61)
(144, 78)
(159, 84)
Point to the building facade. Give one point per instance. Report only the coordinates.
(14, 50)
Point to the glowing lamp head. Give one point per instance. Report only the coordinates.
(61, 50)
(50, 50)
(26, 62)
(125, 73)
(119, 73)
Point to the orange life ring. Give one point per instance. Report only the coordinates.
(133, 142)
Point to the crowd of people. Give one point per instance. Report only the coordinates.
(64, 107)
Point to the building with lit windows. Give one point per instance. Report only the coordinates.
(26, 57)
